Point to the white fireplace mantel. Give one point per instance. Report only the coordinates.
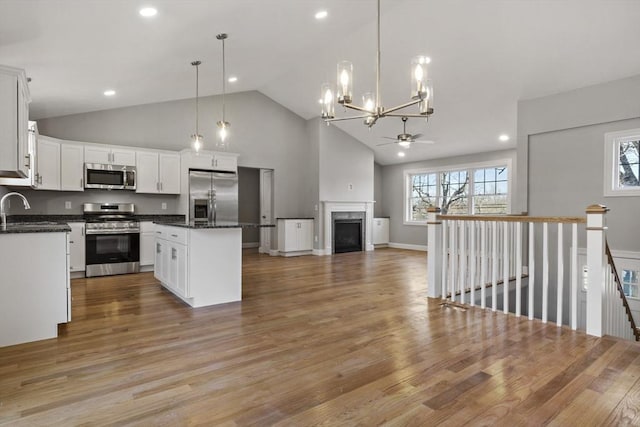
(330, 206)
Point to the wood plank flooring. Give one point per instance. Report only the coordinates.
(336, 341)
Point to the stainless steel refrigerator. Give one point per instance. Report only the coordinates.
(213, 196)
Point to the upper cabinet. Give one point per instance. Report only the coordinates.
(15, 159)
(47, 175)
(72, 166)
(110, 155)
(224, 162)
(157, 172)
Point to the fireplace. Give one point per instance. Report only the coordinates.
(348, 231)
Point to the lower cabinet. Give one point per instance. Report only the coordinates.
(380, 231)
(147, 243)
(171, 260)
(77, 247)
(295, 236)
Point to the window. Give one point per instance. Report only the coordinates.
(622, 163)
(630, 282)
(478, 189)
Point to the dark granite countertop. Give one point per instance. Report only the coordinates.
(160, 218)
(35, 227)
(294, 218)
(219, 224)
(62, 219)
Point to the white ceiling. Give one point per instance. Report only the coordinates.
(486, 55)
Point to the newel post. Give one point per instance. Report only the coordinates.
(434, 253)
(596, 263)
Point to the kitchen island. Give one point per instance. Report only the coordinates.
(201, 262)
(34, 281)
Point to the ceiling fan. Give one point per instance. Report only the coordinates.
(405, 139)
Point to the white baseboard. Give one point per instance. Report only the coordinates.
(274, 252)
(318, 252)
(422, 248)
(251, 245)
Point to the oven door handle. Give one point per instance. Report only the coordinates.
(111, 232)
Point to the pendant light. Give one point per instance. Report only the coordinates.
(223, 125)
(196, 139)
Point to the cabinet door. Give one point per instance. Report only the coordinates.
(24, 162)
(225, 162)
(290, 235)
(71, 167)
(76, 247)
(147, 172)
(147, 255)
(48, 164)
(169, 173)
(160, 265)
(305, 235)
(200, 161)
(122, 156)
(178, 268)
(96, 154)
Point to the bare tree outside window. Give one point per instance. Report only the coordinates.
(453, 188)
(629, 164)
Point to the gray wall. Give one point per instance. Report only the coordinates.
(313, 163)
(264, 133)
(393, 192)
(249, 202)
(561, 145)
(377, 190)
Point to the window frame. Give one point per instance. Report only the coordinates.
(469, 167)
(612, 142)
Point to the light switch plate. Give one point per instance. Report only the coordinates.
(67, 205)
(164, 206)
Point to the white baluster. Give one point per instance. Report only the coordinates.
(505, 267)
(462, 279)
(494, 267)
(472, 261)
(595, 262)
(445, 257)
(484, 255)
(560, 277)
(545, 271)
(518, 258)
(531, 268)
(434, 262)
(574, 276)
(453, 255)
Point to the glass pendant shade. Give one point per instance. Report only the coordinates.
(419, 77)
(369, 103)
(223, 133)
(196, 142)
(326, 98)
(345, 82)
(426, 104)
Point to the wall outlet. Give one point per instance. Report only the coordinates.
(350, 187)
(315, 239)
(67, 205)
(164, 206)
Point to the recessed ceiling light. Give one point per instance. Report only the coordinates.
(320, 101)
(233, 79)
(400, 153)
(504, 137)
(321, 14)
(109, 92)
(148, 12)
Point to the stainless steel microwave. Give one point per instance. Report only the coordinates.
(109, 177)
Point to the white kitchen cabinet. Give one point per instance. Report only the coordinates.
(295, 236)
(77, 247)
(15, 160)
(47, 175)
(147, 243)
(30, 180)
(210, 160)
(225, 162)
(157, 172)
(380, 231)
(161, 264)
(171, 259)
(108, 154)
(178, 268)
(71, 166)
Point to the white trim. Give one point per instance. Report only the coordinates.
(469, 167)
(318, 252)
(335, 206)
(251, 245)
(274, 252)
(611, 140)
(422, 248)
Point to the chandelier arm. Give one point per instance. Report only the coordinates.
(358, 108)
(400, 107)
(197, 80)
(420, 116)
(224, 85)
(340, 119)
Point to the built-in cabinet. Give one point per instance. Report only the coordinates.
(157, 172)
(47, 176)
(209, 160)
(110, 155)
(77, 247)
(71, 166)
(295, 236)
(380, 231)
(147, 243)
(15, 159)
(171, 259)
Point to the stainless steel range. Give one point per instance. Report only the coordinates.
(112, 239)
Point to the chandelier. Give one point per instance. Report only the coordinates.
(196, 138)
(371, 109)
(223, 125)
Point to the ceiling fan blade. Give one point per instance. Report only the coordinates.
(424, 142)
(388, 137)
(416, 136)
(386, 143)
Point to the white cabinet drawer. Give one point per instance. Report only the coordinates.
(175, 234)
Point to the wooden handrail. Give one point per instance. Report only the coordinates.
(516, 218)
(636, 333)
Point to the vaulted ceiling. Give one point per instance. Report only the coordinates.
(486, 55)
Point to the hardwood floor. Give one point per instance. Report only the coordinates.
(343, 340)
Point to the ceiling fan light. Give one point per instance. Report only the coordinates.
(345, 82)
(419, 77)
(404, 144)
(326, 100)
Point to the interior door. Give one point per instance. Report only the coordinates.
(266, 208)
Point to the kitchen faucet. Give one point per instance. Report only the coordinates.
(3, 215)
